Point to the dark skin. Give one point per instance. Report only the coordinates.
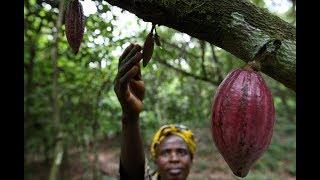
(173, 158)
(130, 90)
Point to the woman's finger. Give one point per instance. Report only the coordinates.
(138, 88)
(129, 64)
(136, 48)
(125, 53)
(126, 79)
(138, 75)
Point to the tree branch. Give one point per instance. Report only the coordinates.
(179, 48)
(215, 61)
(161, 61)
(236, 26)
(203, 46)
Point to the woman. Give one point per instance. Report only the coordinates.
(172, 147)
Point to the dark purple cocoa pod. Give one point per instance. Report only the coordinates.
(74, 22)
(242, 121)
(157, 40)
(148, 49)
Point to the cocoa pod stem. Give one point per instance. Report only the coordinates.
(253, 65)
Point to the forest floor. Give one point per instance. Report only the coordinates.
(208, 164)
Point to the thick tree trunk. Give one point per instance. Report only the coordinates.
(59, 150)
(236, 26)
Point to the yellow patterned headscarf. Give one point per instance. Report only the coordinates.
(176, 129)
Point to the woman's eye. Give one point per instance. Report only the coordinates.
(164, 153)
(182, 152)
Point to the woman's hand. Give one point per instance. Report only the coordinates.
(128, 84)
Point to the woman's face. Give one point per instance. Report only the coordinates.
(173, 158)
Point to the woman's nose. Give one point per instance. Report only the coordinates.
(174, 157)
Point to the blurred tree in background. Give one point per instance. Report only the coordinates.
(180, 79)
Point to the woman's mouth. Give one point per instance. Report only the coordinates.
(175, 171)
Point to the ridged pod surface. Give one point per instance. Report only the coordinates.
(74, 22)
(242, 119)
(148, 49)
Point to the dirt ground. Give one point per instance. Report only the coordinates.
(207, 165)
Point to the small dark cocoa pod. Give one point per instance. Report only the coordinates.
(148, 49)
(74, 23)
(157, 40)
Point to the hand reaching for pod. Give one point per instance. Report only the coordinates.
(128, 85)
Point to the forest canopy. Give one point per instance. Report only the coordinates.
(70, 105)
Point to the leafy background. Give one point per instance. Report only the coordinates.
(181, 80)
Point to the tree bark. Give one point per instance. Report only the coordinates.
(59, 150)
(236, 26)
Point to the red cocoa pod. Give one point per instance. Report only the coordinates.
(148, 49)
(74, 22)
(242, 119)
